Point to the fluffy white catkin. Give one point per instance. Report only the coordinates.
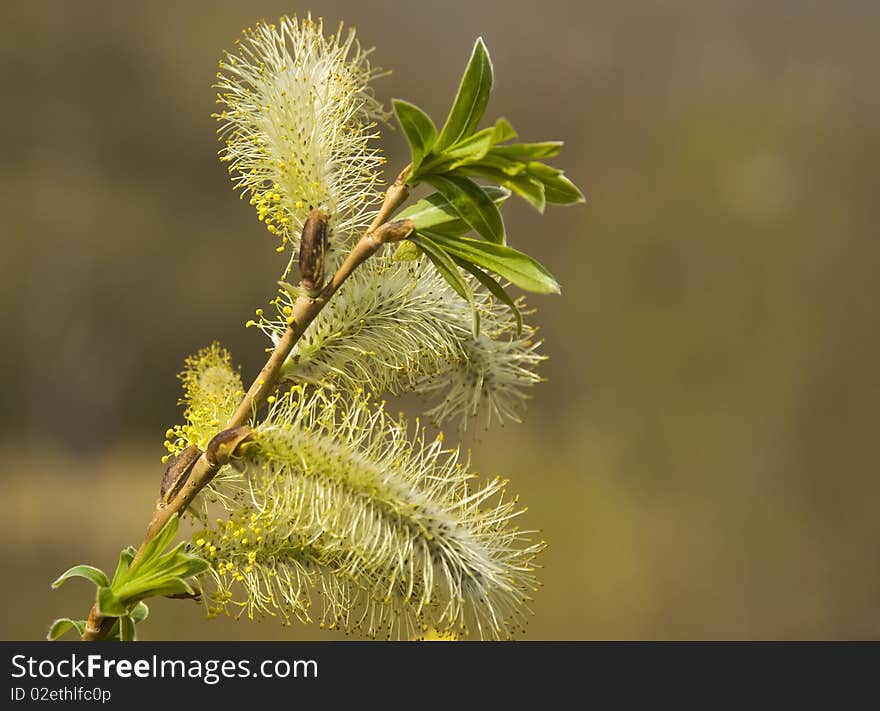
(298, 123)
(392, 531)
(398, 326)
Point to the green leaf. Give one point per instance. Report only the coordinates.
(113, 634)
(516, 267)
(507, 166)
(193, 565)
(139, 613)
(97, 576)
(545, 149)
(109, 604)
(61, 625)
(470, 149)
(154, 574)
(536, 182)
(164, 586)
(125, 557)
(154, 548)
(126, 629)
(406, 251)
(418, 128)
(470, 100)
(472, 203)
(529, 188)
(431, 211)
(444, 265)
(478, 145)
(162, 575)
(436, 213)
(159, 585)
(494, 288)
(557, 188)
(449, 271)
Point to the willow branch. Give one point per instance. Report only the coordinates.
(305, 309)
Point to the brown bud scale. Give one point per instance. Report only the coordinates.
(312, 249)
(177, 472)
(227, 444)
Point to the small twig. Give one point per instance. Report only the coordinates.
(305, 309)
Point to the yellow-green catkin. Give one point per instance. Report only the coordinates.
(212, 388)
(297, 124)
(391, 529)
(399, 327)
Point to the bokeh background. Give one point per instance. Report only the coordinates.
(703, 458)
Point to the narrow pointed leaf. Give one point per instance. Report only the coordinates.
(470, 149)
(508, 263)
(436, 213)
(175, 586)
(527, 187)
(155, 547)
(503, 164)
(429, 212)
(125, 558)
(449, 271)
(522, 151)
(418, 128)
(444, 265)
(470, 100)
(189, 566)
(494, 288)
(557, 188)
(126, 629)
(62, 625)
(478, 145)
(89, 572)
(158, 586)
(472, 203)
(164, 572)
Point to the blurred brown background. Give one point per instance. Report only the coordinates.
(703, 458)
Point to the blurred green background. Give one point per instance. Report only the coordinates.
(702, 460)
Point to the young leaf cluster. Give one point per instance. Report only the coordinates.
(450, 161)
(155, 573)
